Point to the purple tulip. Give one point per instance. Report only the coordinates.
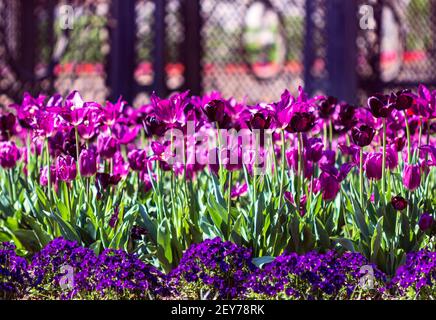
(105, 180)
(403, 100)
(373, 165)
(43, 176)
(331, 178)
(66, 168)
(239, 190)
(9, 154)
(363, 135)
(124, 134)
(259, 121)
(425, 221)
(346, 118)
(398, 143)
(301, 122)
(75, 109)
(314, 149)
(170, 111)
(326, 107)
(87, 163)
(380, 105)
(214, 110)
(399, 203)
(106, 146)
(7, 123)
(411, 176)
(111, 112)
(137, 159)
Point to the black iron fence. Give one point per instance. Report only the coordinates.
(250, 49)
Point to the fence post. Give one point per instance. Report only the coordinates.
(192, 51)
(159, 54)
(27, 38)
(121, 63)
(341, 61)
(309, 48)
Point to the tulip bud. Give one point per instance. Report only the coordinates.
(425, 221)
(399, 203)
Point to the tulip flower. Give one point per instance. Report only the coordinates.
(373, 165)
(214, 110)
(411, 176)
(170, 111)
(87, 163)
(399, 203)
(66, 168)
(106, 146)
(380, 105)
(9, 154)
(326, 107)
(425, 221)
(363, 135)
(331, 178)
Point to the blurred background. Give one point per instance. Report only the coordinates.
(248, 49)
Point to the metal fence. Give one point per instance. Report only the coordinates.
(248, 49)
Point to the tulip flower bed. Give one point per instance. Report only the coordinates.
(210, 198)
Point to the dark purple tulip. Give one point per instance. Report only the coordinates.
(66, 168)
(363, 135)
(138, 232)
(7, 122)
(106, 146)
(153, 126)
(399, 143)
(326, 107)
(301, 122)
(346, 118)
(399, 203)
(425, 221)
(104, 180)
(214, 110)
(411, 176)
(380, 106)
(314, 149)
(9, 154)
(87, 163)
(137, 159)
(259, 121)
(403, 100)
(373, 165)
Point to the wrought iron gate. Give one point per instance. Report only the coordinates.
(243, 48)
